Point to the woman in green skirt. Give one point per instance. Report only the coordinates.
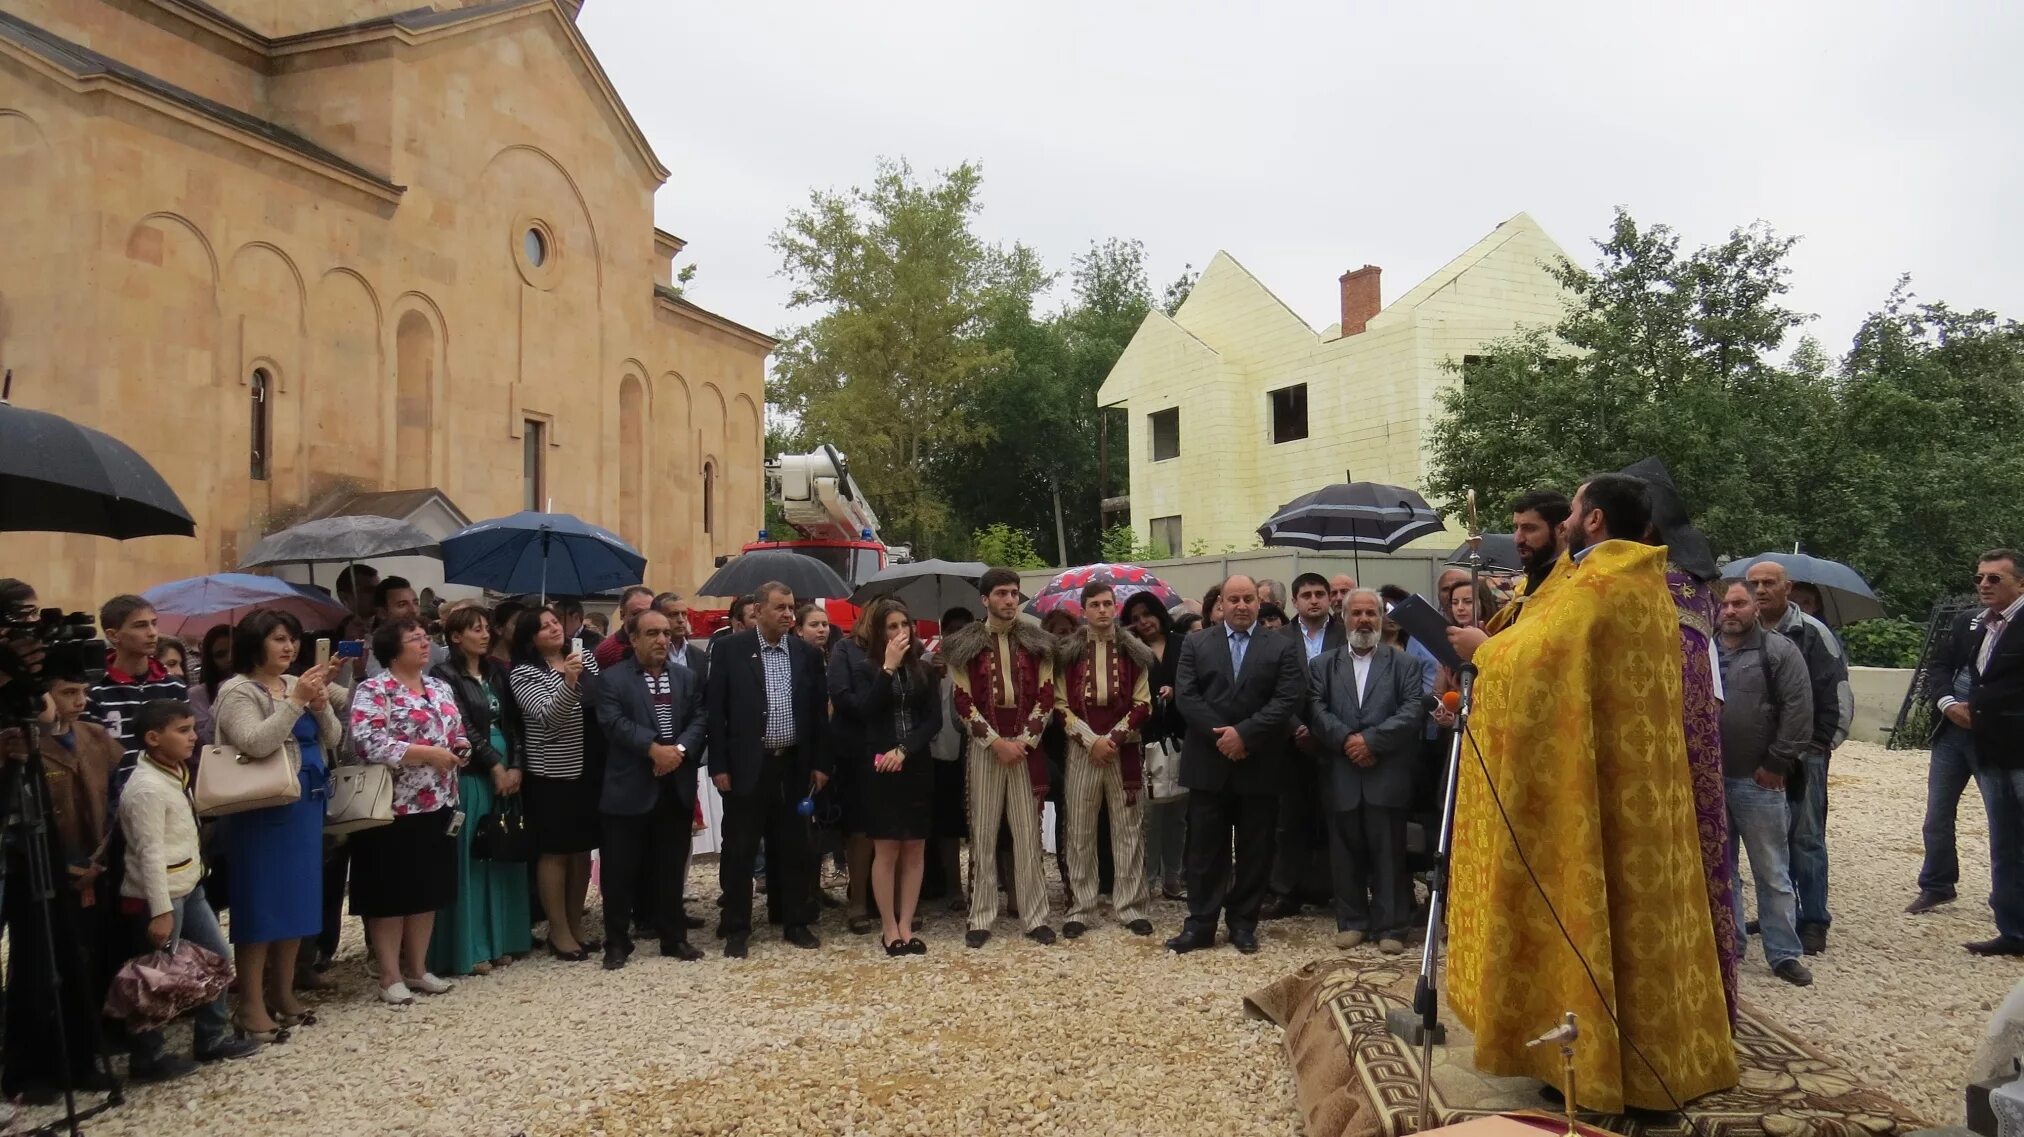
(488, 925)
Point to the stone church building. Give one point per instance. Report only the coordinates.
(299, 251)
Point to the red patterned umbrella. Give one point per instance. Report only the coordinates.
(1064, 592)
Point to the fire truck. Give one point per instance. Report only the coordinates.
(831, 521)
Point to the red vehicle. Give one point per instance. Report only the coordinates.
(832, 522)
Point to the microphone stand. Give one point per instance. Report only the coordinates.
(1426, 992)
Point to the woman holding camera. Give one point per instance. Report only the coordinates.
(487, 925)
(403, 872)
(276, 854)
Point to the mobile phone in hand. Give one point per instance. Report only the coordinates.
(323, 653)
(351, 649)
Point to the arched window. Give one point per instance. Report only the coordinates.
(262, 385)
(709, 497)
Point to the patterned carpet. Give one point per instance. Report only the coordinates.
(1354, 1079)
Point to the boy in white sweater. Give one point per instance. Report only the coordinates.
(164, 878)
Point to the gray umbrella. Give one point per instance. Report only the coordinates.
(340, 540)
(928, 588)
(1844, 596)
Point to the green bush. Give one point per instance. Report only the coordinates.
(1121, 546)
(1002, 546)
(1884, 643)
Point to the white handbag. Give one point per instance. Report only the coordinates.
(361, 797)
(229, 780)
(1163, 771)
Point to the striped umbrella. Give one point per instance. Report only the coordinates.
(1352, 517)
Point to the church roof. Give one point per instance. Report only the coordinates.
(84, 63)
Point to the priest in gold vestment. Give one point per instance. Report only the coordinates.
(1578, 720)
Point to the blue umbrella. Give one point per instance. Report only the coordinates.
(192, 607)
(541, 553)
(1844, 596)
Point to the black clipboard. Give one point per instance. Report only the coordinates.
(1418, 619)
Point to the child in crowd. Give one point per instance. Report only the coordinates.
(164, 878)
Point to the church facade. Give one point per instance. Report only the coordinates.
(297, 251)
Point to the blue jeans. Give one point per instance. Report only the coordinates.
(197, 923)
(2003, 797)
(1952, 768)
(1758, 822)
(1809, 843)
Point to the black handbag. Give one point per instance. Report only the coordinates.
(503, 835)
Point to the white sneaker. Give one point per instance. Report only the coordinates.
(397, 995)
(428, 984)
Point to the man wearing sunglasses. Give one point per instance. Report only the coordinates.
(1981, 732)
(1833, 707)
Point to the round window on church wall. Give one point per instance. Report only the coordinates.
(534, 246)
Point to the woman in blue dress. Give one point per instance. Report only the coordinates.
(276, 854)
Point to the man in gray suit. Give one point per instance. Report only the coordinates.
(1366, 712)
(1239, 688)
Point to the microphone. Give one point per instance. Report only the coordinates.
(1451, 700)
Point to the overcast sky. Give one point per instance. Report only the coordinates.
(1309, 138)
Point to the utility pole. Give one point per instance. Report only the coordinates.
(1060, 531)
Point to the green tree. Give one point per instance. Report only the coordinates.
(902, 284)
(1002, 546)
(1658, 353)
(1122, 545)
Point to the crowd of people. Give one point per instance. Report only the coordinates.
(1267, 749)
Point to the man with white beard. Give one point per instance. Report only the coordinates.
(1365, 713)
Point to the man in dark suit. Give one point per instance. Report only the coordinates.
(1298, 831)
(767, 705)
(1365, 712)
(1994, 712)
(1239, 689)
(1951, 765)
(652, 714)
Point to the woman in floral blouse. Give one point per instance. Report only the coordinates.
(402, 873)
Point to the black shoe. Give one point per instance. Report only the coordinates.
(800, 936)
(1794, 972)
(1073, 929)
(1140, 927)
(1813, 937)
(615, 959)
(1041, 935)
(2001, 945)
(1280, 908)
(1928, 900)
(719, 932)
(693, 923)
(592, 947)
(1751, 928)
(894, 948)
(734, 947)
(1190, 940)
(166, 1068)
(568, 956)
(861, 925)
(916, 947)
(976, 938)
(682, 950)
(1244, 940)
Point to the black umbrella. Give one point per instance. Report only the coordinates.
(1353, 517)
(809, 578)
(1500, 551)
(1685, 545)
(928, 588)
(59, 477)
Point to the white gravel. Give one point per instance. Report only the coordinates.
(1108, 1034)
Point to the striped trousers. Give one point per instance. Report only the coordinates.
(999, 792)
(1090, 787)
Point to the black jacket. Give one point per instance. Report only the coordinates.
(477, 712)
(1964, 640)
(1996, 702)
(1261, 703)
(626, 711)
(866, 712)
(734, 697)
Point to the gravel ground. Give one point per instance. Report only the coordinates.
(1107, 1034)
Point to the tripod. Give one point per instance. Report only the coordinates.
(1426, 992)
(26, 831)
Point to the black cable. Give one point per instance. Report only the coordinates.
(1678, 1106)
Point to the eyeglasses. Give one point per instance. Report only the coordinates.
(1991, 577)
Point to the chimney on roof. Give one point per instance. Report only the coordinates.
(1360, 298)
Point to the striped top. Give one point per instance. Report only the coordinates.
(661, 690)
(553, 713)
(115, 701)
